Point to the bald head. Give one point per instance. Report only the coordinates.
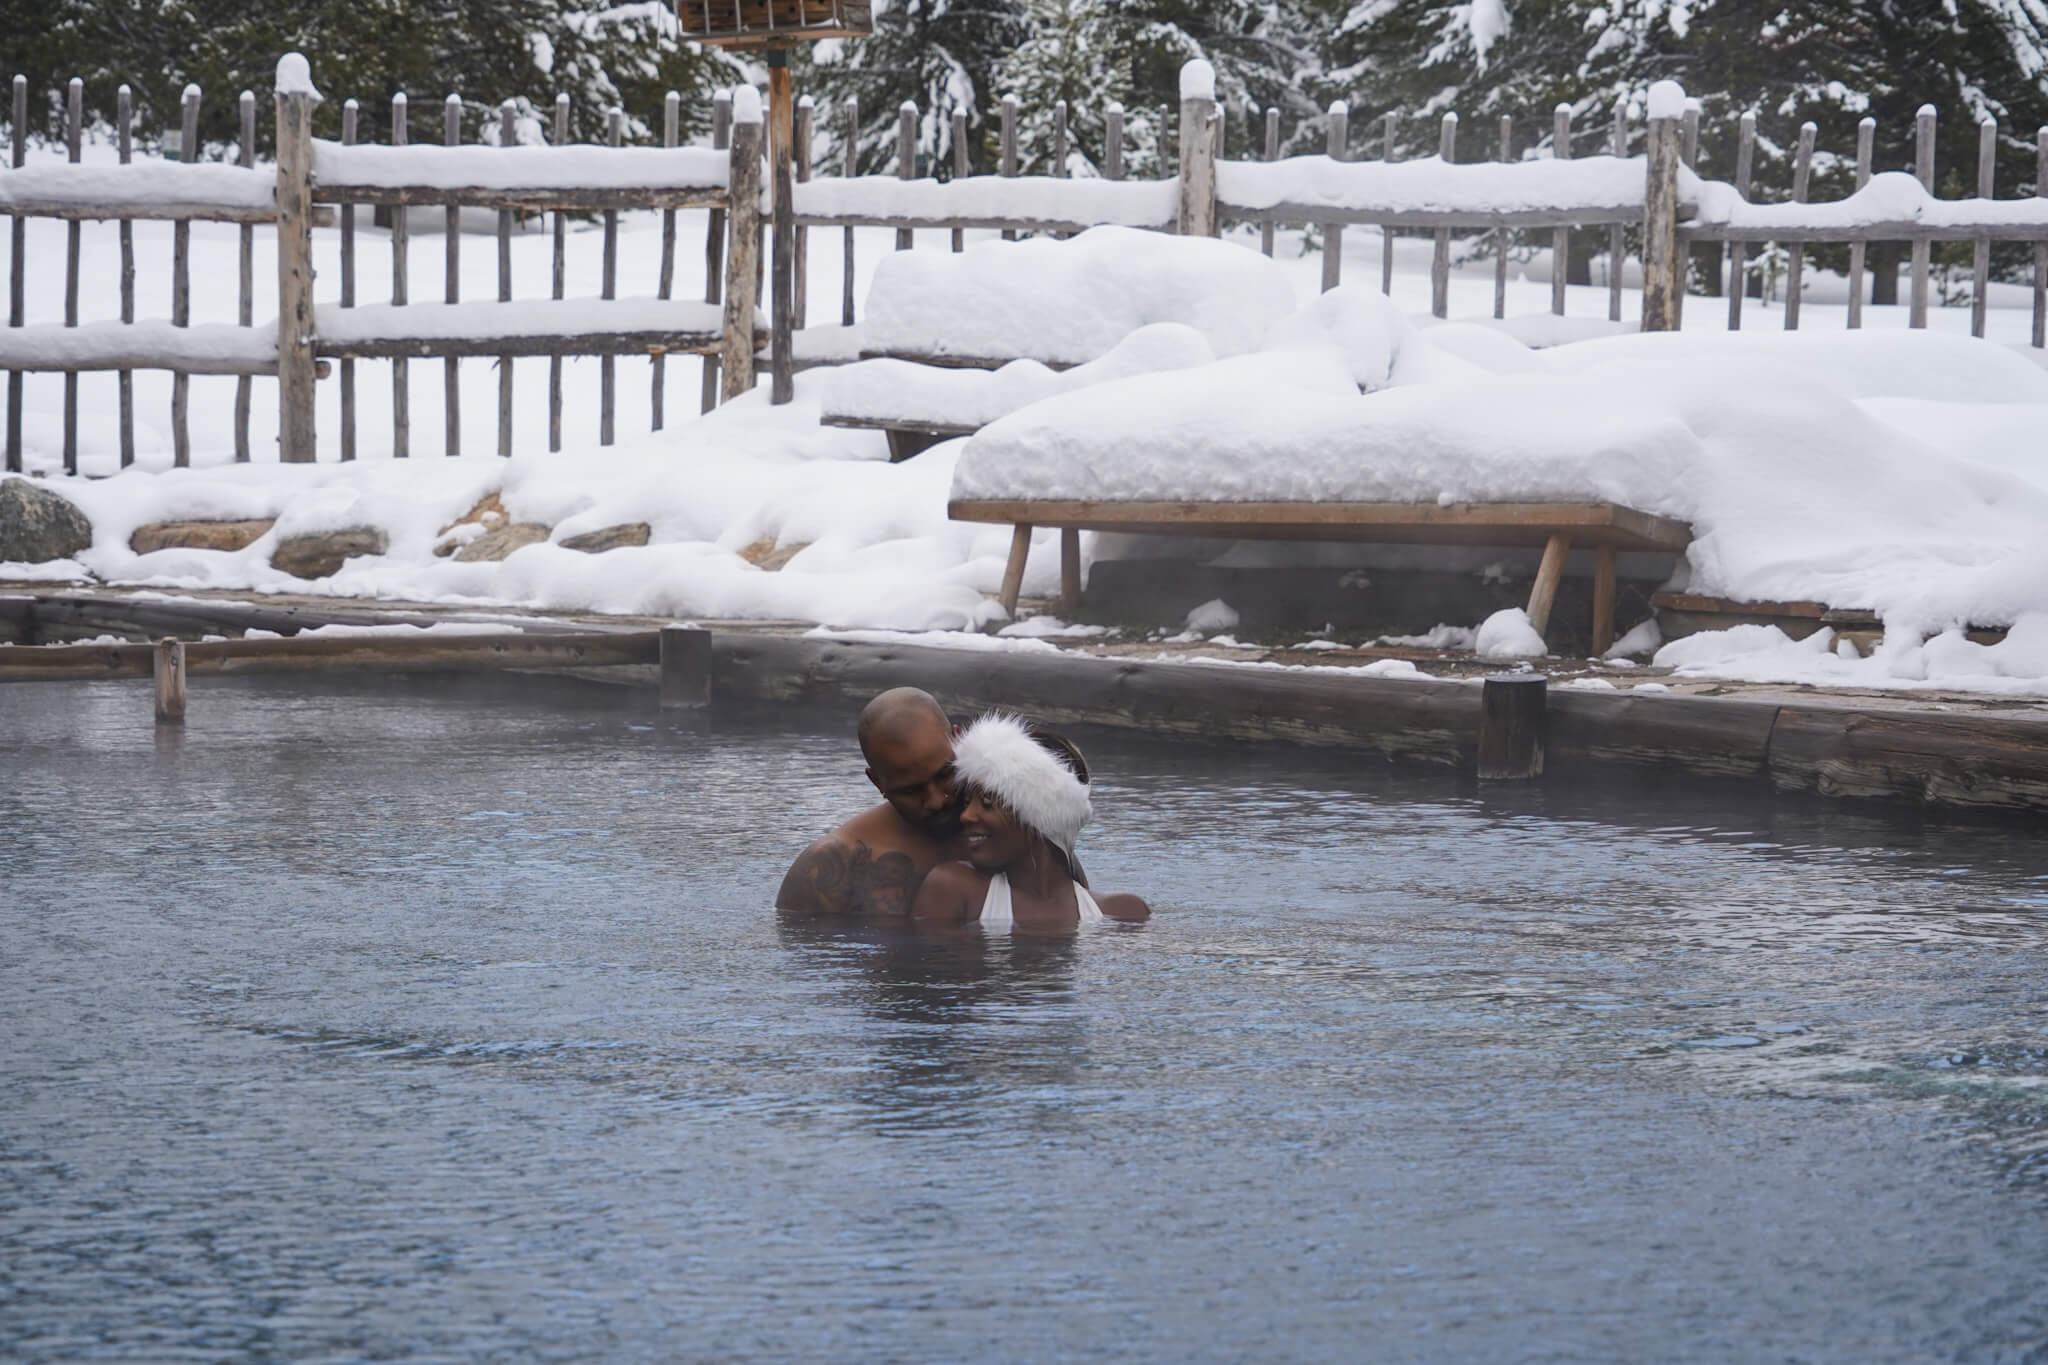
(900, 716)
(908, 743)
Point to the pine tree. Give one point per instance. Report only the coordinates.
(1075, 53)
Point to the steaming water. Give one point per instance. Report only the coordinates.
(359, 1022)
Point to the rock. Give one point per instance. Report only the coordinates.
(321, 556)
(610, 538)
(763, 553)
(198, 535)
(488, 512)
(492, 546)
(38, 525)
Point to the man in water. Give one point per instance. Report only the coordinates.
(874, 863)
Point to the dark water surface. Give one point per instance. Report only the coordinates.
(361, 1022)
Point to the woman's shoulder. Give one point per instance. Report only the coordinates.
(951, 891)
(1122, 905)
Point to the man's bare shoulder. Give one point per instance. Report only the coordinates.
(851, 871)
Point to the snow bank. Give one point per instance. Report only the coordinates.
(2017, 665)
(1067, 302)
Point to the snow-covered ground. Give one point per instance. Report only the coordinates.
(1907, 478)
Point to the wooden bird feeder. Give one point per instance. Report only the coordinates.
(772, 23)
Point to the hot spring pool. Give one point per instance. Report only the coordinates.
(368, 1022)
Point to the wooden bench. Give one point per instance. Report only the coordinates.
(1555, 526)
(910, 436)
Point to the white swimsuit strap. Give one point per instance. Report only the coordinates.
(997, 917)
(1091, 913)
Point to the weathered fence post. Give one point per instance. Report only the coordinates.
(1738, 252)
(608, 288)
(906, 161)
(1389, 124)
(1923, 249)
(1501, 235)
(685, 667)
(1196, 216)
(849, 167)
(714, 242)
(1663, 273)
(244, 313)
(743, 238)
(1271, 152)
(507, 113)
(295, 366)
(782, 294)
(961, 169)
(1617, 240)
(350, 113)
(401, 239)
(1113, 141)
(1008, 163)
(451, 290)
(74, 130)
(1512, 726)
(170, 681)
(560, 138)
(1980, 264)
(1336, 141)
(1059, 139)
(124, 117)
(1440, 261)
(1560, 238)
(1866, 141)
(665, 282)
(2040, 248)
(805, 114)
(17, 277)
(1795, 268)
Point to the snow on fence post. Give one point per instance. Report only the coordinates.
(714, 243)
(1440, 262)
(245, 300)
(782, 172)
(743, 234)
(961, 170)
(1617, 242)
(906, 161)
(1561, 237)
(1272, 153)
(608, 288)
(1196, 216)
(1009, 151)
(1923, 249)
(561, 279)
(1866, 140)
(1389, 125)
(1795, 268)
(665, 284)
(17, 278)
(1980, 272)
(74, 138)
(1663, 273)
(802, 254)
(295, 364)
(507, 112)
(1336, 138)
(451, 292)
(2040, 248)
(1738, 252)
(349, 116)
(124, 120)
(401, 238)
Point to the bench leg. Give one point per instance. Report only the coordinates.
(1070, 568)
(1547, 575)
(1013, 572)
(1603, 601)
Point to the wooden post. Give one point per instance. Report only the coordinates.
(1013, 569)
(1070, 568)
(170, 681)
(657, 392)
(1866, 138)
(124, 119)
(401, 239)
(1113, 142)
(1688, 156)
(1617, 241)
(1603, 599)
(1561, 237)
(295, 365)
(1059, 139)
(782, 290)
(1440, 262)
(1795, 269)
(1501, 235)
(1663, 272)
(1336, 139)
(1196, 216)
(1389, 124)
(74, 131)
(245, 310)
(1738, 252)
(1008, 163)
(17, 276)
(805, 115)
(1272, 153)
(1923, 167)
(1543, 593)
(958, 123)
(451, 290)
(561, 273)
(1980, 268)
(608, 287)
(714, 242)
(1513, 726)
(349, 128)
(743, 241)
(685, 667)
(507, 112)
(906, 160)
(849, 153)
(2040, 248)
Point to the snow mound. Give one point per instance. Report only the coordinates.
(1507, 634)
(1212, 616)
(1362, 323)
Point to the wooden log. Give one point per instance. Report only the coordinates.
(1617, 241)
(805, 134)
(560, 275)
(1980, 258)
(296, 364)
(1070, 568)
(246, 299)
(1501, 236)
(401, 237)
(74, 128)
(743, 241)
(1939, 759)
(1271, 151)
(685, 667)
(426, 653)
(507, 113)
(608, 366)
(1549, 572)
(168, 664)
(1389, 124)
(2040, 248)
(1795, 268)
(451, 288)
(1738, 252)
(1923, 169)
(350, 113)
(958, 126)
(671, 134)
(1866, 140)
(1603, 599)
(1561, 237)
(1008, 163)
(1440, 262)
(1336, 141)
(17, 274)
(849, 167)
(782, 167)
(1195, 214)
(1512, 727)
(1013, 569)
(1589, 731)
(1663, 266)
(124, 124)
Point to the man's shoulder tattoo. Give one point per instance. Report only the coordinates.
(838, 879)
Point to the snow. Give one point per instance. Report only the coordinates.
(1507, 634)
(207, 348)
(160, 189)
(577, 167)
(1023, 199)
(1068, 302)
(490, 319)
(1212, 616)
(1197, 81)
(746, 104)
(1666, 100)
(294, 76)
(1587, 189)
(1903, 661)
(1643, 638)
(1892, 198)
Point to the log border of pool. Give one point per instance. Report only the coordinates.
(1991, 758)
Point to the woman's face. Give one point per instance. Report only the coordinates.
(992, 837)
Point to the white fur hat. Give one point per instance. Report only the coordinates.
(997, 755)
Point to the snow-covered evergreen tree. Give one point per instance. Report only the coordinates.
(1076, 52)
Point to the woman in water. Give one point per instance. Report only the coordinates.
(1026, 801)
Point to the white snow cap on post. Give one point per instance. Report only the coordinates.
(746, 104)
(1667, 100)
(294, 76)
(1197, 81)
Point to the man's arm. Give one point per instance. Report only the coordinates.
(820, 881)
